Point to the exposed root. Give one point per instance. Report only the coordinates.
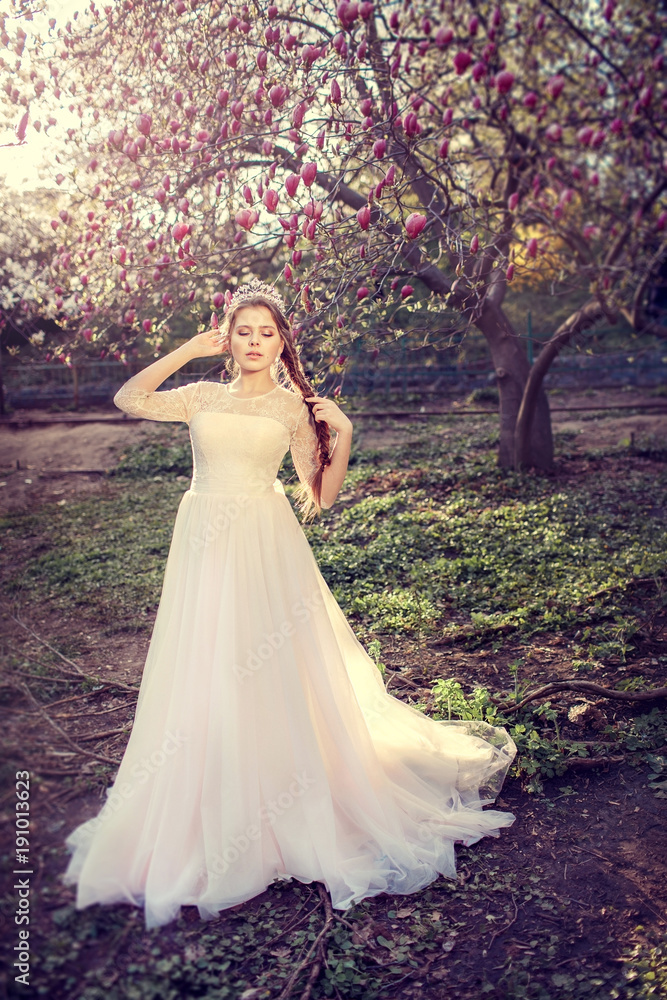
(587, 687)
(582, 763)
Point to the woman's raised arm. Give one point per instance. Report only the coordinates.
(202, 345)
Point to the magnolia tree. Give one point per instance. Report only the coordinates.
(367, 155)
(27, 247)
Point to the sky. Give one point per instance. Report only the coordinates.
(20, 165)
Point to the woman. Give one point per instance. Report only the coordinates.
(264, 745)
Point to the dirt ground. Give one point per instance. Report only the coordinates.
(41, 462)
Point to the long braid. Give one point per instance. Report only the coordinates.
(308, 496)
(311, 499)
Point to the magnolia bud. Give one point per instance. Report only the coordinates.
(308, 173)
(364, 217)
(461, 62)
(291, 184)
(414, 224)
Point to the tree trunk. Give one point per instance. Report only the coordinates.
(587, 316)
(508, 354)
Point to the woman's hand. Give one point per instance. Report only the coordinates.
(325, 409)
(206, 344)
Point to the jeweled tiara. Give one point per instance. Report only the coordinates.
(257, 289)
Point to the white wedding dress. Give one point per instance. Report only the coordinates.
(264, 745)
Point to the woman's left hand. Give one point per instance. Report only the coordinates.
(325, 409)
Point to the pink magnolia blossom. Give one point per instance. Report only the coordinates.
(411, 125)
(443, 37)
(414, 224)
(504, 82)
(479, 71)
(364, 217)
(291, 184)
(270, 200)
(462, 60)
(362, 293)
(347, 14)
(313, 209)
(308, 173)
(555, 86)
(246, 218)
(277, 95)
(406, 291)
(144, 124)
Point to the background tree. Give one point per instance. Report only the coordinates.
(378, 154)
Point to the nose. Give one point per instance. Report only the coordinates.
(254, 337)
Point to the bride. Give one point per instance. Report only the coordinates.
(264, 744)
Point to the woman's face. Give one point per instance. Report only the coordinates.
(255, 341)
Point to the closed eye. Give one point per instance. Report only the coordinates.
(245, 333)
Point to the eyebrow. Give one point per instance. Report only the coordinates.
(266, 326)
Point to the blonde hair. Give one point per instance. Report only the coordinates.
(309, 497)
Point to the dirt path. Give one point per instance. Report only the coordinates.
(58, 461)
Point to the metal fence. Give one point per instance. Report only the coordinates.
(407, 372)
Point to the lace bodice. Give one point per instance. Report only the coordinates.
(237, 444)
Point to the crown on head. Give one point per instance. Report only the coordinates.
(257, 289)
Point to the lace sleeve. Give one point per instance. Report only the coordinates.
(304, 448)
(168, 404)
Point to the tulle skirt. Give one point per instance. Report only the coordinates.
(264, 745)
